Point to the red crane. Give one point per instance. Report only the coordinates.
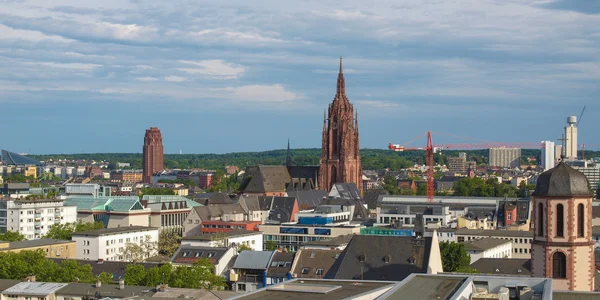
(430, 149)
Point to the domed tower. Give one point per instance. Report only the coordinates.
(562, 247)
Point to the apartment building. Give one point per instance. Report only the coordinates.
(521, 240)
(109, 243)
(33, 219)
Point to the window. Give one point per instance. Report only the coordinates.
(186, 253)
(281, 264)
(319, 272)
(211, 254)
(580, 220)
(305, 270)
(559, 265)
(312, 255)
(560, 220)
(510, 216)
(198, 254)
(540, 219)
(274, 264)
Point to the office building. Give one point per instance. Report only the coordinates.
(458, 165)
(548, 157)
(33, 218)
(571, 138)
(505, 157)
(153, 160)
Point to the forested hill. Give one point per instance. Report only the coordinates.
(372, 159)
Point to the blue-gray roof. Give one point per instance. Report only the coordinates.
(253, 260)
(10, 158)
(122, 204)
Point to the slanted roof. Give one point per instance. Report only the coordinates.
(373, 257)
(228, 234)
(282, 208)
(116, 268)
(428, 287)
(37, 243)
(253, 260)
(309, 260)
(152, 199)
(116, 230)
(494, 233)
(503, 266)
(34, 288)
(7, 283)
(190, 254)
(345, 190)
(281, 264)
(371, 197)
(484, 244)
(562, 181)
(105, 290)
(117, 204)
(267, 179)
(308, 199)
(333, 242)
(14, 159)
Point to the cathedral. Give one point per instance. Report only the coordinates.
(340, 156)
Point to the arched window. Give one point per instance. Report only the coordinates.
(580, 220)
(559, 265)
(560, 221)
(540, 219)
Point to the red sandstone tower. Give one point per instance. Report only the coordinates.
(340, 156)
(153, 154)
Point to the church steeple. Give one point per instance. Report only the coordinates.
(341, 84)
(288, 158)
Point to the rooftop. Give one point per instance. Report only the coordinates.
(34, 288)
(562, 181)
(301, 289)
(36, 243)
(336, 241)
(117, 230)
(503, 266)
(484, 244)
(230, 234)
(14, 159)
(491, 233)
(253, 260)
(105, 290)
(428, 287)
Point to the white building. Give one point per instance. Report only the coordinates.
(109, 243)
(571, 138)
(505, 157)
(548, 157)
(488, 248)
(34, 218)
(521, 240)
(252, 239)
(293, 236)
(86, 189)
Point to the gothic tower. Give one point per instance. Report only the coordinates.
(340, 155)
(562, 246)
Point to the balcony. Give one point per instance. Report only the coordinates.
(37, 215)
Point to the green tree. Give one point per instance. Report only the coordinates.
(65, 231)
(12, 236)
(243, 247)
(201, 275)
(105, 278)
(454, 257)
(390, 184)
(168, 242)
(134, 274)
(156, 191)
(422, 189)
(271, 246)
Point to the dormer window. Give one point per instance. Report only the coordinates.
(387, 259)
(411, 260)
(362, 258)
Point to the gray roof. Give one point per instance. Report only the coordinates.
(36, 243)
(503, 266)
(34, 288)
(229, 234)
(310, 260)
(105, 290)
(428, 287)
(371, 196)
(7, 283)
(253, 260)
(282, 208)
(281, 264)
(265, 179)
(494, 233)
(373, 257)
(347, 190)
(484, 244)
(116, 268)
(562, 181)
(14, 159)
(333, 242)
(189, 254)
(308, 199)
(116, 230)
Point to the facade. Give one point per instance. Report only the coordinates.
(340, 156)
(113, 211)
(252, 239)
(458, 165)
(505, 157)
(548, 157)
(153, 154)
(53, 248)
(563, 248)
(205, 180)
(294, 236)
(126, 176)
(488, 248)
(220, 257)
(592, 173)
(168, 211)
(86, 189)
(521, 240)
(109, 243)
(33, 218)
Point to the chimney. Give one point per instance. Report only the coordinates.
(98, 283)
(163, 287)
(76, 280)
(121, 284)
(30, 278)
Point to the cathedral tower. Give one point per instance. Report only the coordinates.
(562, 246)
(340, 156)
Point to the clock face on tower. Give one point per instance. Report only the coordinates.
(334, 125)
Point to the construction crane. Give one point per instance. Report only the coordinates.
(430, 149)
(577, 125)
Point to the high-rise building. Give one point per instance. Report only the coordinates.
(340, 156)
(458, 164)
(153, 154)
(548, 157)
(557, 152)
(505, 157)
(571, 138)
(562, 247)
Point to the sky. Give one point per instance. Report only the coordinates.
(232, 76)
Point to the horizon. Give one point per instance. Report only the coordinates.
(86, 77)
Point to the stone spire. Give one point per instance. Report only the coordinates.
(288, 158)
(341, 84)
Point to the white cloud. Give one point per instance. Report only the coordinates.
(9, 33)
(260, 93)
(147, 78)
(214, 68)
(376, 104)
(72, 66)
(175, 78)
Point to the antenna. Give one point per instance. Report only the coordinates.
(580, 116)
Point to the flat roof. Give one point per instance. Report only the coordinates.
(36, 243)
(105, 290)
(34, 288)
(117, 230)
(428, 287)
(494, 232)
(484, 244)
(230, 234)
(318, 289)
(573, 295)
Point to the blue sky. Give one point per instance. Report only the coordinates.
(229, 76)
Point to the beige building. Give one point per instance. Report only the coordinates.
(521, 240)
(563, 248)
(53, 248)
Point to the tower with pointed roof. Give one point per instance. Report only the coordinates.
(562, 247)
(340, 155)
(288, 157)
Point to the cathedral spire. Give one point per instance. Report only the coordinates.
(288, 158)
(341, 84)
